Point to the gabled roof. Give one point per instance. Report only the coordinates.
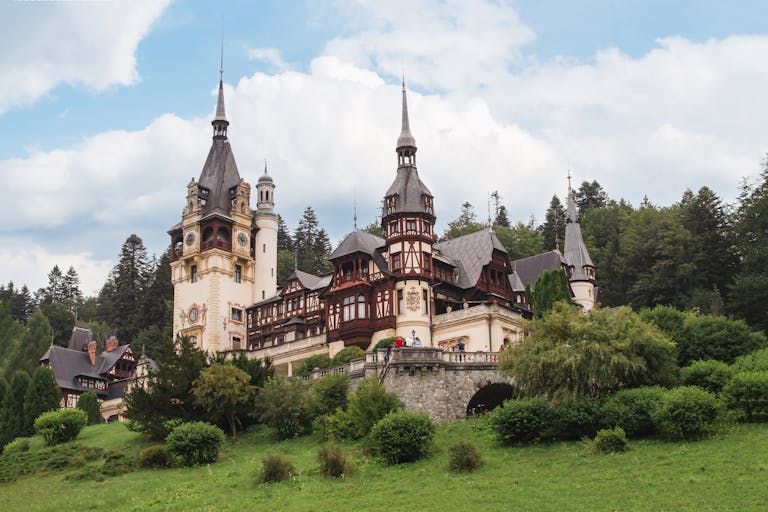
(516, 283)
(529, 269)
(410, 191)
(68, 364)
(79, 339)
(310, 281)
(357, 241)
(218, 177)
(470, 253)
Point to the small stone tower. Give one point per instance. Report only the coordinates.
(265, 243)
(581, 270)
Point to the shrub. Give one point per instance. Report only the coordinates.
(195, 443)
(347, 354)
(632, 410)
(611, 441)
(20, 444)
(748, 391)
(369, 403)
(686, 412)
(340, 425)
(60, 426)
(403, 436)
(717, 337)
(288, 406)
(90, 405)
(521, 420)
(157, 457)
(116, 463)
(333, 462)
(57, 461)
(317, 361)
(756, 361)
(575, 419)
(710, 375)
(384, 343)
(464, 457)
(275, 469)
(332, 393)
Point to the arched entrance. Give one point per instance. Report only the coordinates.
(489, 397)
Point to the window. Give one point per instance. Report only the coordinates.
(263, 247)
(400, 302)
(237, 315)
(410, 227)
(238, 273)
(396, 263)
(427, 261)
(193, 273)
(393, 228)
(235, 343)
(348, 311)
(361, 306)
(424, 304)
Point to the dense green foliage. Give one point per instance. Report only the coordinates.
(611, 441)
(13, 420)
(572, 355)
(575, 419)
(60, 426)
(157, 457)
(347, 354)
(369, 403)
(748, 392)
(521, 421)
(334, 463)
(633, 410)
(710, 375)
(320, 361)
(687, 412)
(332, 393)
(224, 391)
(464, 457)
(89, 404)
(756, 361)
(288, 406)
(550, 287)
(42, 395)
(403, 436)
(195, 443)
(275, 469)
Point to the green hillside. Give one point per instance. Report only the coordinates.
(726, 472)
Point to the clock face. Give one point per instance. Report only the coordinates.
(190, 238)
(242, 238)
(193, 314)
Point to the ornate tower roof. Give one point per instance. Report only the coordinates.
(575, 252)
(405, 140)
(219, 176)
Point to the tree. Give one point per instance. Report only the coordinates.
(89, 404)
(553, 229)
(34, 342)
(550, 287)
(286, 264)
(288, 406)
(11, 332)
(570, 355)
(375, 229)
(312, 244)
(157, 301)
(125, 289)
(55, 291)
(520, 240)
(465, 224)
(590, 195)
(42, 395)
(168, 395)
(284, 240)
(62, 320)
(501, 217)
(12, 418)
(71, 285)
(20, 300)
(222, 390)
(150, 339)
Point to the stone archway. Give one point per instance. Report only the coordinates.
(489, 397)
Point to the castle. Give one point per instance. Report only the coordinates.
(463, 292)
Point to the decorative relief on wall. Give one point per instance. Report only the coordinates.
(412, 299)
(194, 315)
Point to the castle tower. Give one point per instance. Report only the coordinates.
(265, 239)
(408, 221)
(213, 264)
(581, 270)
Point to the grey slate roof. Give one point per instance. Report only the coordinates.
(311, 281)
(575, 252)
(516, 283)
(357, 241)
(68, 364)
(529, 269)
(405, 139)
(470, 253)
(79, 339)
(218, 177)
(410, 191)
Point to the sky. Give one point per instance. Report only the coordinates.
(105, 109)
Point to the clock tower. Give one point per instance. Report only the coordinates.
(219, 250)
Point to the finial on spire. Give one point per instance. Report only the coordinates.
(406, 144)
(265, 166)
(569, 179)
(354, 217)
(221, 59)
(220, 122)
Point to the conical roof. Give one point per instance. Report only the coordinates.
(406, 138)
(575, 252)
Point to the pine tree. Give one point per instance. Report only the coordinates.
(11, 332)
(12, 419)
(284, 240)
(61, 317)
(71, 285)
(127, 285)
(590, 195)
(34, 342)
(311, 244)
(157, 304)
(55, 291)
(553, 229)
(550, 287)
(465, 224)
(42, 395)
(501, 217)
(89, 403)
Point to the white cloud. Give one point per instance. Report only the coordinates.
(271, 56)
(90, 43)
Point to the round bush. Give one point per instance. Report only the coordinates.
(333, 462)
(195, 443)
(274, 469)
(20, 444)
(403, 436)
(340, 425)
(686, 412)
(521, 421)
(347, 354)
(632, 410)
(60, 426)
(575, 419)
(611, 441)
(748, 391)
(710, 375)
(157, 457)
(464, 457)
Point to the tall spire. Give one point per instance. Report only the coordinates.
(572, 214)
(220, 122)
(406, 144)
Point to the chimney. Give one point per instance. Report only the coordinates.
(111, 344)
(92, 352)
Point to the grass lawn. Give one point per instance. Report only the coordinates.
(726, 472)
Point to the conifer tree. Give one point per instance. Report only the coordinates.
(311, 244)
(553, 229)
(123, 293)
(34, 342)
(42, 395)
(284, 240)
(590, 195)
(89, 403)
(11, 332)
(465, 224)
(12, 418)
(501, 217)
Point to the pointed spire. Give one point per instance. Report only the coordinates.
(572, 214)
(220, 122)
(405, 139)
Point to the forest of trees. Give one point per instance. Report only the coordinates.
(698, 254)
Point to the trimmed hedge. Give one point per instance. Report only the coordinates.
(521, 421)
(60, 426)
(633, 410)
(710, 375)
(687, 412)
(403, 436)
(748, 391)
(195, 443)
(575, 419)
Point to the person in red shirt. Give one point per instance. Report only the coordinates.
(399, 342)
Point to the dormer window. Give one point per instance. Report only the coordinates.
(428, 204)
(391, 204)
